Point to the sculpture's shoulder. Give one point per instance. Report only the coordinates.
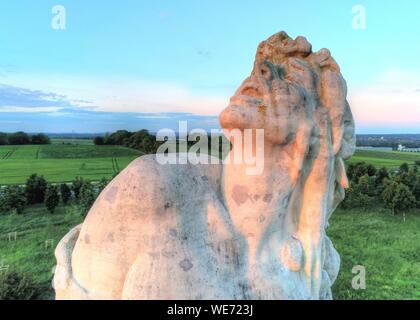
(148, 182)
(179, 173)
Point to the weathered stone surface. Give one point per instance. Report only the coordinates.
(214, 232)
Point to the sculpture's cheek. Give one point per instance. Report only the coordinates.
(291, 255)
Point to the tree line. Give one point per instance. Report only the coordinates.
(399, 190)
(20, 138)
(15, 198)
(141, 140)
(144, 141)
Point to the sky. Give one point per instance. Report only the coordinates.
(148, 64)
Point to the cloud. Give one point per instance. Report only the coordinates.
(17, 99)
(111, 94)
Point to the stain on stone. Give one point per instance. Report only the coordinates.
(111, 194)
(186, 264)
(111, 237)
(173, 232)
(256, 197)
(204, 178)
(290, 137)
(87, 238)
(262, 109)
(268, 197)
(167, 205)
(240, 194)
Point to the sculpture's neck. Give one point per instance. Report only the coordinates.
(257, 202)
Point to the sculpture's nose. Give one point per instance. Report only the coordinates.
(231, 118)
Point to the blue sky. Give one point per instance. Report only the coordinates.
(147, 64)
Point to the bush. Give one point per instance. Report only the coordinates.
(15, 286)
(404, 168)
(35, 189)
(356, 199)
(52, 198)
(99, 141)
(87, 196)
(102, 184)
(76, 186)
(65, 193)
(12, 198)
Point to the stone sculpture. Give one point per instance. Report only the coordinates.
(212, 231)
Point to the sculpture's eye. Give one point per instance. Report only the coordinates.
(266, 72)
(251, 92)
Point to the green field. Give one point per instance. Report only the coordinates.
(387, 159)
(65, 159)
(387, 247)
(60, 162)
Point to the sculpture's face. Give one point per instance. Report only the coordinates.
(273, 98)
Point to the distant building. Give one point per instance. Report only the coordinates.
(404, 149)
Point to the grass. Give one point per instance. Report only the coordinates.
(63, 162)
(37, 234)
(388, 248)
(385, 245)
(387, 159)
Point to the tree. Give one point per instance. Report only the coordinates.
(404, 168)
(143, 140)
(102, 184)
(371, 170)
(366, 185)
(355, 171)
(118, 138)
(65, 193)
(77, 184)
(398, 197)
(355, 198)
(35, 189)
(3, 138)
(19, 137)
(381, 175)
(99, 141)
(40, 138)
(87, 196)
(52, 198)
(410, 178)
(12, 198)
